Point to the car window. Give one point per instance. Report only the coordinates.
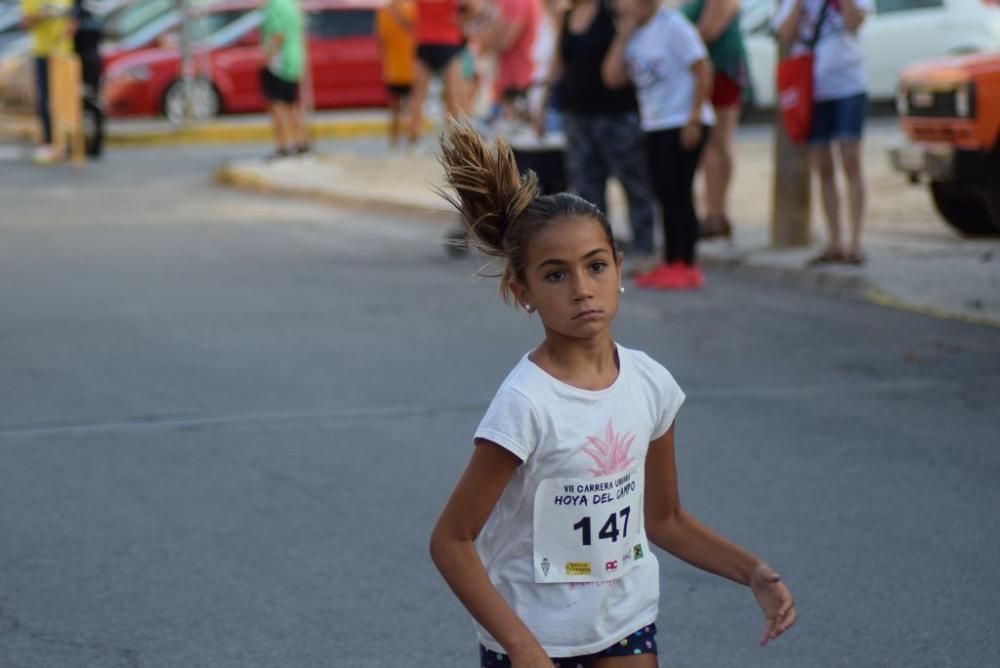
(208, 24)
(133, 16)
(235, 31)
(889, 6)
(332, 24)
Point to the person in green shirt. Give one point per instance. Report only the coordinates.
(718, 25)
(284, 60)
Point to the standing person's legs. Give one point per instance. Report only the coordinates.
(421, 79)
(91, 66)
(671, 170)
(718, 162)
(299, 130)
(585, 166)
(681, 195)
(42, 99)
(822, 132)
(620, 144)
(662, 152)
(282, 116)
(850, 125)
(850, 157)
(395, 116)
(452, 88)
(821, 156)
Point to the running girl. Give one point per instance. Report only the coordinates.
(546, 538)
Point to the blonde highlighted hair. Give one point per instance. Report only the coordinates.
(501, 208)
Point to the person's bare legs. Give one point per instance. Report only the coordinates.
(452, 89)
(421, 79)
(850, 158)
(822, 159)
(279, 123)
(395, 117)
(299, 131)
(718, 162)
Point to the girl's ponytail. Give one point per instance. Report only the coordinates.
(490, 193)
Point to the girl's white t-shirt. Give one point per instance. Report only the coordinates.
(838, 68)
(659, 57)
(576, 444)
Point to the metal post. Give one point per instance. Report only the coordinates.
(790, 220)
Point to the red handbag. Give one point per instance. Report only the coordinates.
(795, 87)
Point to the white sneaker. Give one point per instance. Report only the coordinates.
(44, 155)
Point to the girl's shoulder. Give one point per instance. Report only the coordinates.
(645, 367)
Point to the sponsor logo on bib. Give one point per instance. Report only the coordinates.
(578, 568)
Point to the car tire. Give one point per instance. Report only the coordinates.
(991, 190)
(205, 101)
(963, 207)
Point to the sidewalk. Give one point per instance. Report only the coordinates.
(915, 262)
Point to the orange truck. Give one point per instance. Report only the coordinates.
(950, 112)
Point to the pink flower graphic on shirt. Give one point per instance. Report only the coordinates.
(610, 453)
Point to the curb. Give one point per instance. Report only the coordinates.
(228, 176)
(224, 133)
(21, 127)
(880, 298)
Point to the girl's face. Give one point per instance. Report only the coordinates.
(572, 278)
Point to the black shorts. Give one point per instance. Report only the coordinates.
(642, 641)
(276, 89)
(437, 56)
(398, 90)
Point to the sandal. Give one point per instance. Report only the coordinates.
(828, 256)
(856, 258)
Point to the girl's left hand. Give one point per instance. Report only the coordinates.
(775, 601)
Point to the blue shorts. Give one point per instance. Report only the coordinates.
(842, 119)
(642, 641)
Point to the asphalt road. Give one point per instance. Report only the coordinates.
(227, 424)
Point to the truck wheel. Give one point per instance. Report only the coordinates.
(991, 192)
(963, 207)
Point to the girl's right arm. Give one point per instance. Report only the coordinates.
(454, 553)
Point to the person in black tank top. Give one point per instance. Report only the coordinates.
(603, 137)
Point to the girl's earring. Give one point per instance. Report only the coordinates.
(621, 289)
(529, 308)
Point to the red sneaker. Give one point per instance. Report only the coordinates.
(665, 277)
(643, 280)
(694, 276)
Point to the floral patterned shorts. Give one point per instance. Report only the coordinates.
(642, 641)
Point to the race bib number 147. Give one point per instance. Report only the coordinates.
(588, 530)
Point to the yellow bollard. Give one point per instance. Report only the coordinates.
(65, 106)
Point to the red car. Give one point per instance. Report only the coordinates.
(342, 53)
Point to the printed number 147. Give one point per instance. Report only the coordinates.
(609, 530)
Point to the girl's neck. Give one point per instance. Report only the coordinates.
(589, 364)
